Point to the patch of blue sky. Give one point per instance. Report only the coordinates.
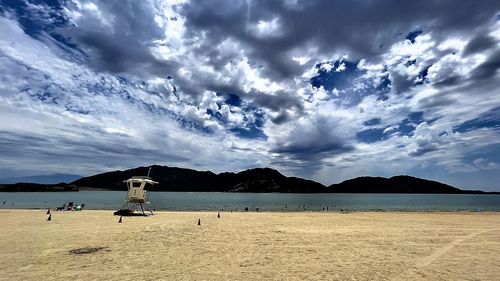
(490, 153)
(231, 99)
(338, 77)
(32, 20)
(252, 128)
(490, 119)
(215, 114)
(372, 122)
(410, 62)
(192, 124)
(46, 19)
(182, 121)
(422, 76)
(383, 88)
(405, 127)
(415, 117)
(349, 81)
(413, 35)
(372, 135)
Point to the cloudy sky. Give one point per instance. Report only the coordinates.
(326, 90)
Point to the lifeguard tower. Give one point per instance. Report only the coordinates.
(137, 196)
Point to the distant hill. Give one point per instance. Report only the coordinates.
(262, 180)
(398, 184)
(253, 180)
(36, 187)
(41, 179)
(179, 179)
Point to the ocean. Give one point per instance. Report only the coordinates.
(212, 201)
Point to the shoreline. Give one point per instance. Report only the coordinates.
(350, 211)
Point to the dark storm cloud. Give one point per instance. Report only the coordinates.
(315, 141)
(441, 100)
(424, 149)
(277, 102)
(488, 68)
(45, 149)
(359, 28)
(242, 82)
(121, 40)
(479, 43)
(118, 38)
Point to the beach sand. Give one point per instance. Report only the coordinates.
(92, 245)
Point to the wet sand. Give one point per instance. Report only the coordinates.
(92, 245)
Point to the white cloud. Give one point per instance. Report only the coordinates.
(301, 60)
(484, 164)
(265, 29)
(341, 67)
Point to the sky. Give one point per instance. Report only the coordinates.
(325, 90)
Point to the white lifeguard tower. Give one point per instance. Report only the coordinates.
(137, 195)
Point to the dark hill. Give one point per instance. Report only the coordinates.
(169, 178)
(398, 184)
(37, 187)
(179, 179)
(267, 180)
(41, 179)
(253, 180)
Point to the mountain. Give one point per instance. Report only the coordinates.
(253, 180)
(41, 179)
(397, 184)
(267, 180)
(179, 179)
(36, 187)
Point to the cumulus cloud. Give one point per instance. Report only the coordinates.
(118, 36)
(306, 86)
(314, 139)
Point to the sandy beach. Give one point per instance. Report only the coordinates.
(92, 245)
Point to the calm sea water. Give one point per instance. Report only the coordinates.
(196, 201)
